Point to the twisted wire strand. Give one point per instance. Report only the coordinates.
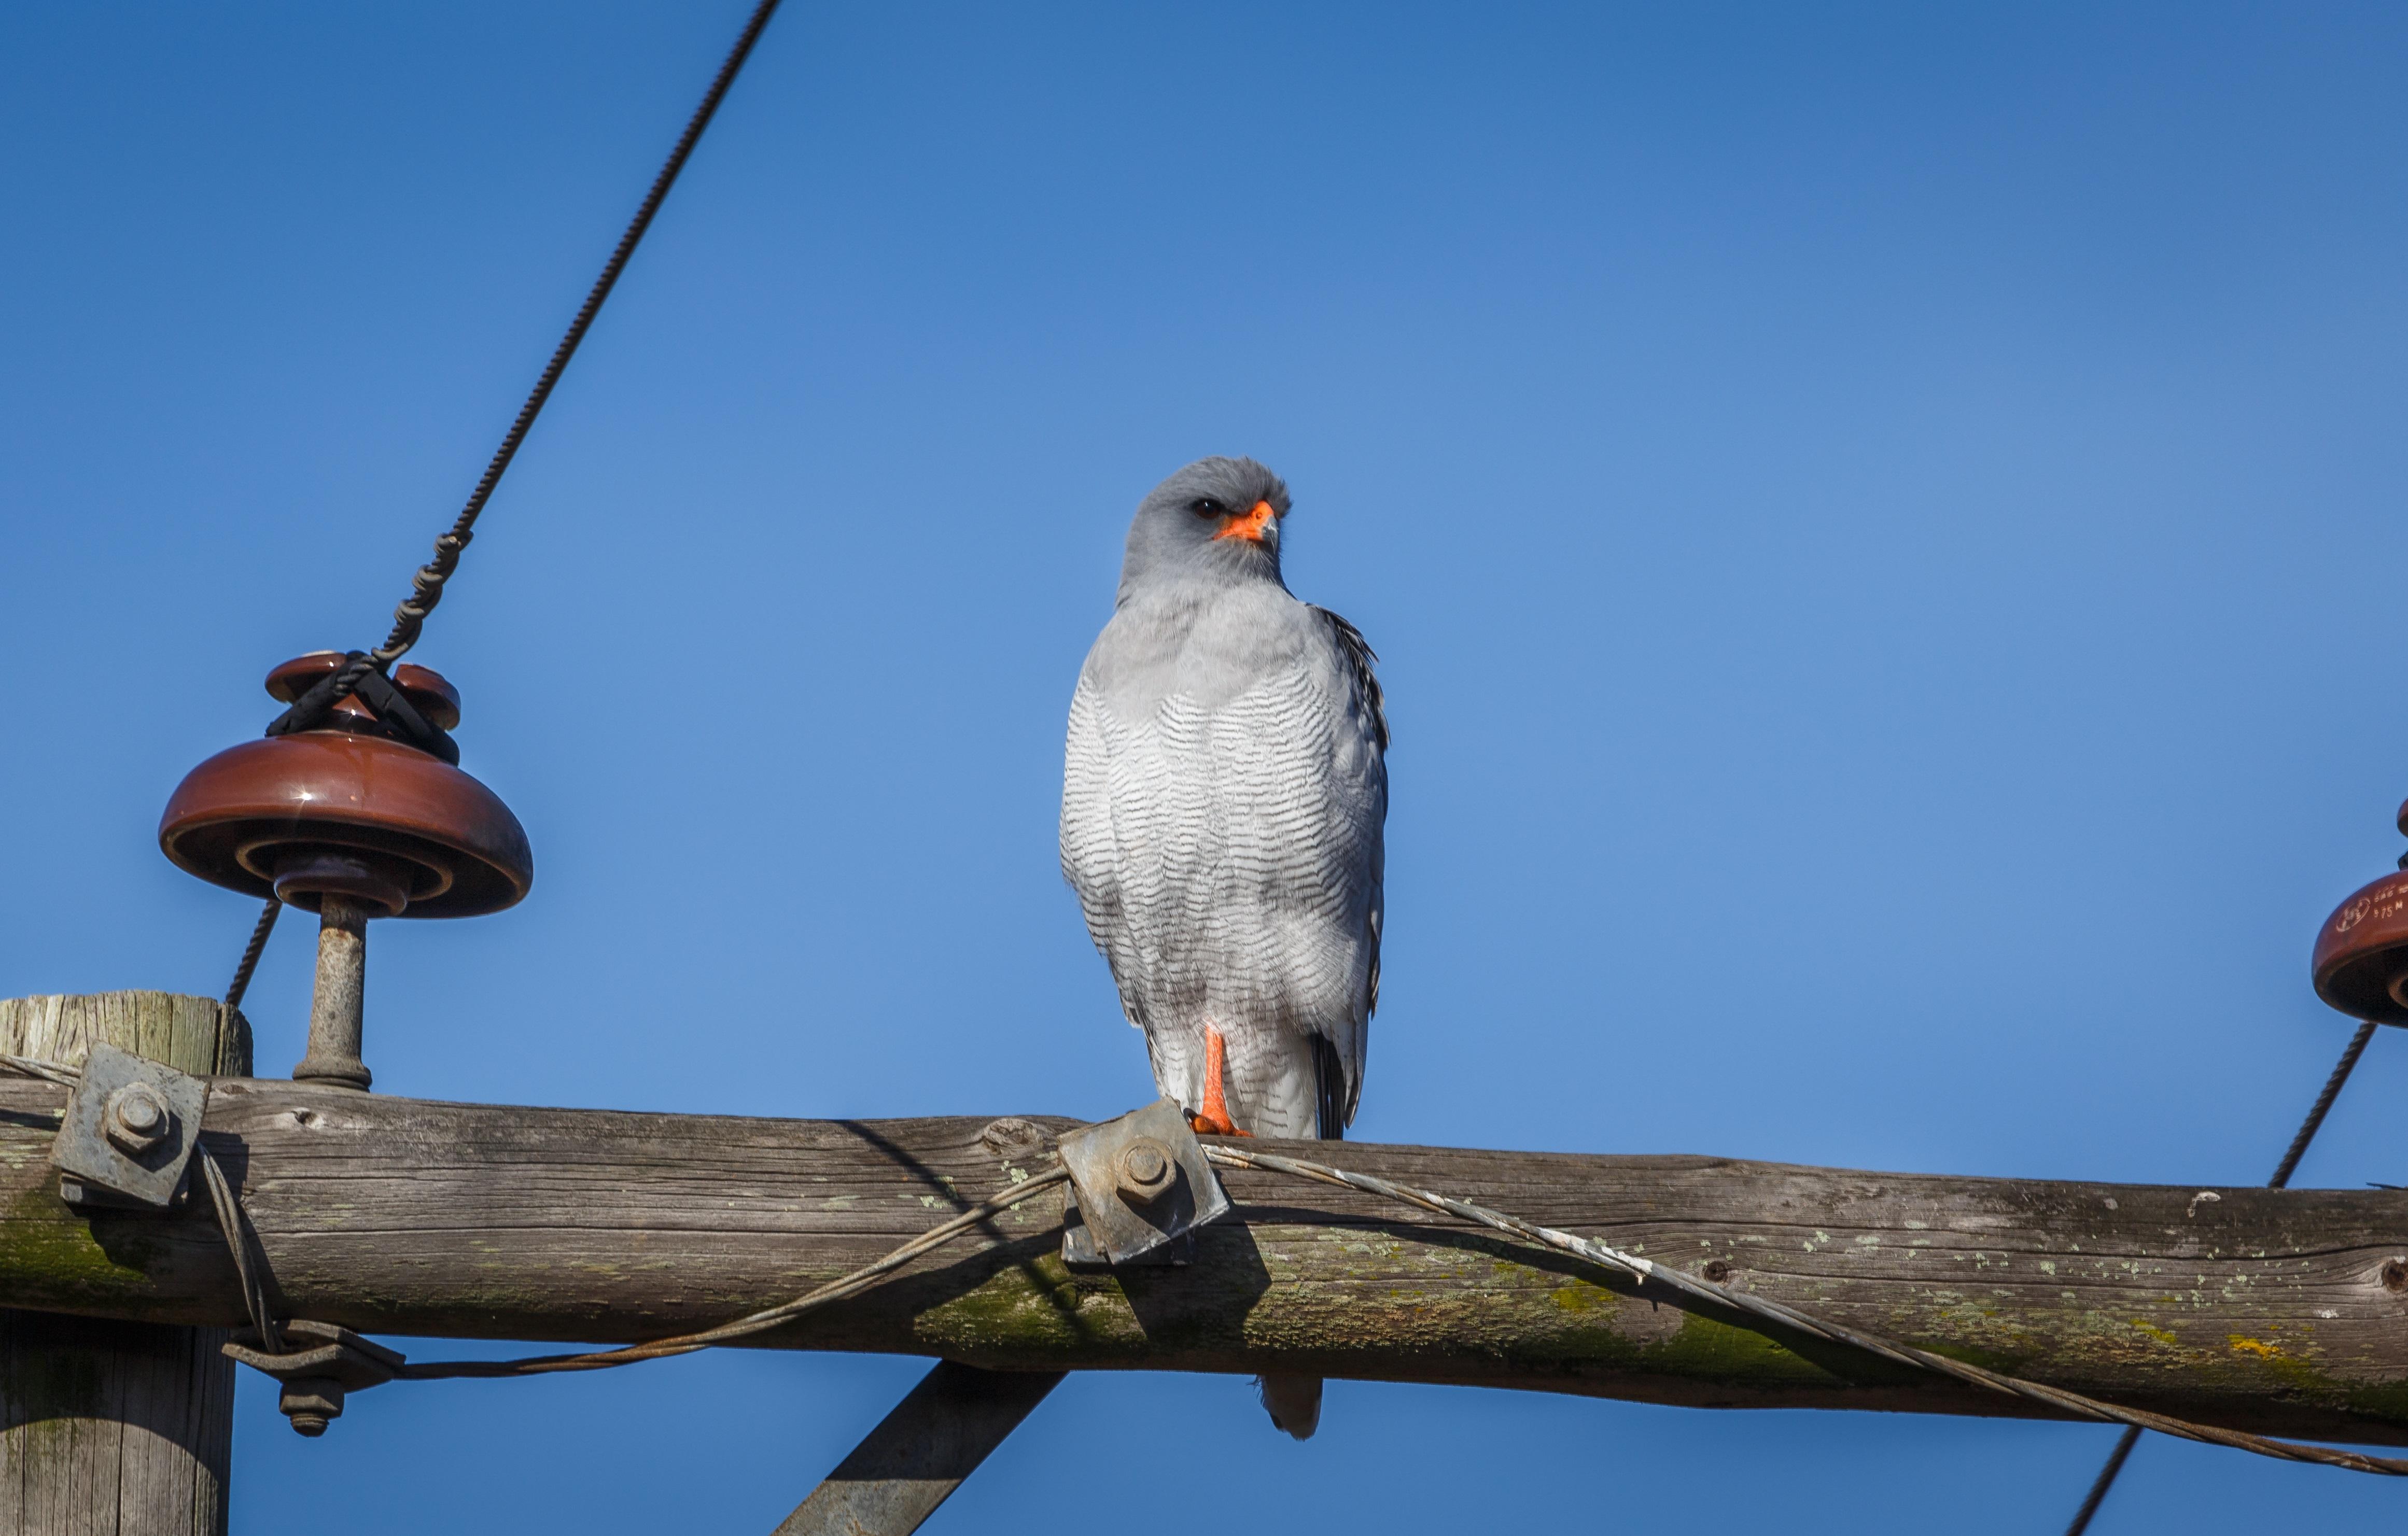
(251, 952)
(242, 1242)
(427, 584)
(49, 1072)
(239, 1238)
(250, 1268)
(2281, 1180)
(759, 1322)
(1740, 1301)
(2316, 1112)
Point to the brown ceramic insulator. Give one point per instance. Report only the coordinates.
(2361, 957)
(308, 873)
(424, 687)
(331, 812)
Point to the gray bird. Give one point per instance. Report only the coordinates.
(1223, 794)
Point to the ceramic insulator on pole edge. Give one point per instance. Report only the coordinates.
(345, 820)
(2360, 964)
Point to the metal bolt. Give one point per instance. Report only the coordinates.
(136, 1119)
(311, 1403)
(1716, 1270)
(2395, 1275)
(1145, 1171)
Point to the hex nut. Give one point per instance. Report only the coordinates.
(136, 1119)
(313, 1402)
(1145, 1171)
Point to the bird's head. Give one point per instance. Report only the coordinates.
(1218, 517)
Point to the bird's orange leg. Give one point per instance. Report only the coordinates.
(1214, 1120)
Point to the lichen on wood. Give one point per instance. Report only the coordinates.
(105, 1425)
(2260, 1308)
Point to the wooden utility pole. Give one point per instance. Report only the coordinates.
(111, 1427)
(2283, 1311)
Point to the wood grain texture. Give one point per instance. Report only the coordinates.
(111, 1427)
(2257, 1309)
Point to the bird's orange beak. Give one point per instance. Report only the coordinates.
(1254, 525)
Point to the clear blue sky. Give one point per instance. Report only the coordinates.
(1884, 526)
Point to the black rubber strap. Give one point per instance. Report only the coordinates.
(395, 718)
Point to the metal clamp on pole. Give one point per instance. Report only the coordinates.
(1137, 1182)
(126, 1140)
(316, 1379)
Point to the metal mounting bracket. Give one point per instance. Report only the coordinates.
(129, 1131)
(316, 1378)
(1141, 1181)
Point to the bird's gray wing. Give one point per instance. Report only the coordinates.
(1368, 711)
(1362, 662)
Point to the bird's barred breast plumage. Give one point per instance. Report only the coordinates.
(1224, 794)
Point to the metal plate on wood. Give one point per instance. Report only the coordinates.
(1080, 1252)
(1142, 1180)
(318, 1349)
(129, 1131)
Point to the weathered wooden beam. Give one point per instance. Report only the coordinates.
(110, 1425)
(2265, 1310)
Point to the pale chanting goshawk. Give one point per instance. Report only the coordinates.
(1223, 794)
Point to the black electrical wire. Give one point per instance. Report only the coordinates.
(249, 962)
(2316, 1120)
(427, 584)
(2281, 1180)
(2105, 1480)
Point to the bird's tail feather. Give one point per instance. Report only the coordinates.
(1329, 1089)
(1293, 1402)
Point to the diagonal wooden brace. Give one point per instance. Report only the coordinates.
(920, 1452)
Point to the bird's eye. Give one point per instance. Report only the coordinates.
(1205, 506)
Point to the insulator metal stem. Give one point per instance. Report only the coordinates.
(337, 1009)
